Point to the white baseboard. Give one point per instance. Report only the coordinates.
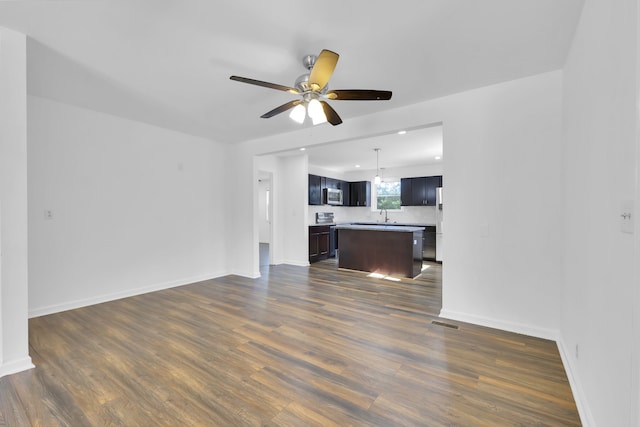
(297, 263)
(15, 366)
(70, 305)
(586, 417)
(247, 274)
(518, 328)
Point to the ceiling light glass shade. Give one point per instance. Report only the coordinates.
(315, 111)
(298, 113)
(319, 120)
(376, 180)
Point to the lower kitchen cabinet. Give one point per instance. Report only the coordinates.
(429, 243)
(319, 242)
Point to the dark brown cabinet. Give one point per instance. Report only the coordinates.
(429, 243)
(405, 191)
(353, 193)
(316, 186)
(360, 193)
(319, 242)
(433, 182)
(346, 192)
(332, 183)
(419, 191)
(394, 253)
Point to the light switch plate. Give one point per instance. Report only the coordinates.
(627, 216)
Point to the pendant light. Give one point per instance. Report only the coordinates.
(377, 179)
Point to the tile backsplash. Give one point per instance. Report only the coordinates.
(408, 214)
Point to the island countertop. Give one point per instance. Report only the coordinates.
(380, 227)
(405, 224)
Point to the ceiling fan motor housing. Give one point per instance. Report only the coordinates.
(302, 83)
(309, 61)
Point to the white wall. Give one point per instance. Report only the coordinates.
(504, 201)
(294, 209)
(600, 291)
(14, 346)
(135, 207)
(505, 205)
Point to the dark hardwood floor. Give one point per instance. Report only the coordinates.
(297, 347)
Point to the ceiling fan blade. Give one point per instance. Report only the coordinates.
(323, 69)
(281, 109)
(265, 84)
(332, 116)
(359, 95)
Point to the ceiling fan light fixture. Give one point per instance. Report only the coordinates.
(298, 114)
(315, 111)
(319, 120)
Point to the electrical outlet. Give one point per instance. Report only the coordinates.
(48, 214)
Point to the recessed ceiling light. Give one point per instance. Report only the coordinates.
(402, 132)
(302, 149)
(437, 157)
(357, 166)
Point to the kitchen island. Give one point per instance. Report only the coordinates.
(391, 250)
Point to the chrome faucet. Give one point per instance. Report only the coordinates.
(386, 214)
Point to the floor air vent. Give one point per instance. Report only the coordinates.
(446, 325)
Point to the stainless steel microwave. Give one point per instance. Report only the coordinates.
(332, 196)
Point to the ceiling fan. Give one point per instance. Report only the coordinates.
(313, 89)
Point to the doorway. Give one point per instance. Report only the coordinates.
(265, 215)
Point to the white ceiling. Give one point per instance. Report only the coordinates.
(418, 146)
(168, 62)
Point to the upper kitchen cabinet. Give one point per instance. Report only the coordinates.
(433, 182)
(316, 185)
(332, 183)
(345, 186)
(405, 191)
(360, 193)
(419, 191)
(353, 193)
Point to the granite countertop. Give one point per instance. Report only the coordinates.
(379, 227)
(374, 224)
(403, 224)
